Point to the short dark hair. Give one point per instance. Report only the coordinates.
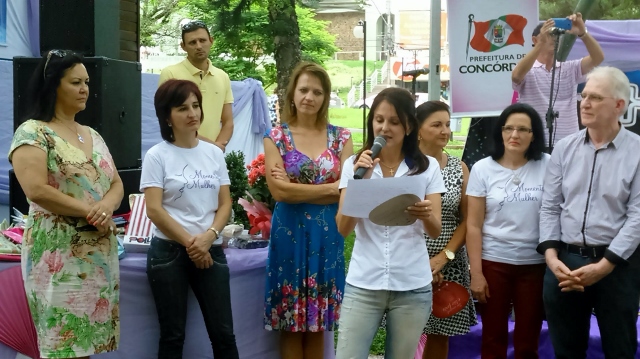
(192, 26)
(405, 105)
(536, 30)
(428, 108)
(169, 95)
(536, 148)
(44, 83)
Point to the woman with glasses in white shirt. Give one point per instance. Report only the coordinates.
(504, 198)
(389, 269)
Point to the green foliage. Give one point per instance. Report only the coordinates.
(244, 40)
(260, 192)
(239, 185)
(156, 20)
(602, 9)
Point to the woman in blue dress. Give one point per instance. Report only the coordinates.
(305, 269)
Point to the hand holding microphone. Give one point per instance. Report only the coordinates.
(368, 159)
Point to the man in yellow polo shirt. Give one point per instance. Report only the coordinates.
(217, 126)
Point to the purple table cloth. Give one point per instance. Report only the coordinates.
(139, 330)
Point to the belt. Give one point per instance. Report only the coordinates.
(587, 252)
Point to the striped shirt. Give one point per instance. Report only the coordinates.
(535, 89)
(592, 196)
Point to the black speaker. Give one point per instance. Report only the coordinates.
(130, 179)
(90, 27)
(113, 108)
(17, 199)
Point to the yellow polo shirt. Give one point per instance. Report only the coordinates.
(216, 92)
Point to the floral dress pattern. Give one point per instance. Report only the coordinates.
(305, 270)
(71, 274)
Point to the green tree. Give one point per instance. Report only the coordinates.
(155, 20)
(603, 10)
(264, 39)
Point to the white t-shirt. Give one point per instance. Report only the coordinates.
(391, 258)
(511, 229)
(190, 179)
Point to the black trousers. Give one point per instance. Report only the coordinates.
(170, 273)
(615, 302)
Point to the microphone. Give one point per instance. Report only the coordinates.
(378, 143)
(416, 72)
(557, 31)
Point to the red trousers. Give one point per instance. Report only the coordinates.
(520, 285)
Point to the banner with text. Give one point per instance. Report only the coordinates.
(486, 41)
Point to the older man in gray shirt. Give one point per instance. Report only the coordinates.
(590, 225)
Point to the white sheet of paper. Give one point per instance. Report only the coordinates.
(366, 194)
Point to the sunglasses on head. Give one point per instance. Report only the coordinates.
(192, 25)
(59, 53)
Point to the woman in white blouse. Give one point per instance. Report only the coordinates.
(504, 196)
(389, 269)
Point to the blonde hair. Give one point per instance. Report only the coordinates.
(289, 113)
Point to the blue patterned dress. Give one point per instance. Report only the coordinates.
(305, 269)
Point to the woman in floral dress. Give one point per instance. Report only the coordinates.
(305, 270)
(69, 252)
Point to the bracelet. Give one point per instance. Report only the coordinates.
(585, 32)
(215, 231)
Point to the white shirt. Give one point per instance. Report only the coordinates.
(190, 179)
(391, 258)
(511, 229)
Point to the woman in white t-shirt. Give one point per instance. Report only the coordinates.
(504, 197)
(186, 187)
(389, 269)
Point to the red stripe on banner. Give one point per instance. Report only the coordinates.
(135, 216)
(479, 41)
(517, 24)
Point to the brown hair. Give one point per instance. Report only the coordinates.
(170, 94)
(289, 112)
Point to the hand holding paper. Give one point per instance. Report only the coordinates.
(385, 201)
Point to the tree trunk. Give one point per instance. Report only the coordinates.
(286, 40)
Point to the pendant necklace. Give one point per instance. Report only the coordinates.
(516, 178)
(76, 131)
(391, 169)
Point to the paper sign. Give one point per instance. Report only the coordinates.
(384, 200)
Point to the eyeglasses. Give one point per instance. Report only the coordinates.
(59, 53)
(521, 130)
(593, 97)
(192, 25)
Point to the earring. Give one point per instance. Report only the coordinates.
(169, 125)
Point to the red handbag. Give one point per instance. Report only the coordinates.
(448, 299)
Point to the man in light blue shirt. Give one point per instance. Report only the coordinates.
(590, 225)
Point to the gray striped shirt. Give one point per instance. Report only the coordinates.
(592, 197)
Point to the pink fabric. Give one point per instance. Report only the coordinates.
(514, 98)
(10, 257)
(421, 346)
(17, 331)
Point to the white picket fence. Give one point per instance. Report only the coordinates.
(379, 76)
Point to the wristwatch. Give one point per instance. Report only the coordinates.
(585, 32)
(449, 254)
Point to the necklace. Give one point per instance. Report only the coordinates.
(391, 169)
(516, 178)
(76, 131)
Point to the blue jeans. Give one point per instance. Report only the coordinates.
(361, 313)
(170, 273)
